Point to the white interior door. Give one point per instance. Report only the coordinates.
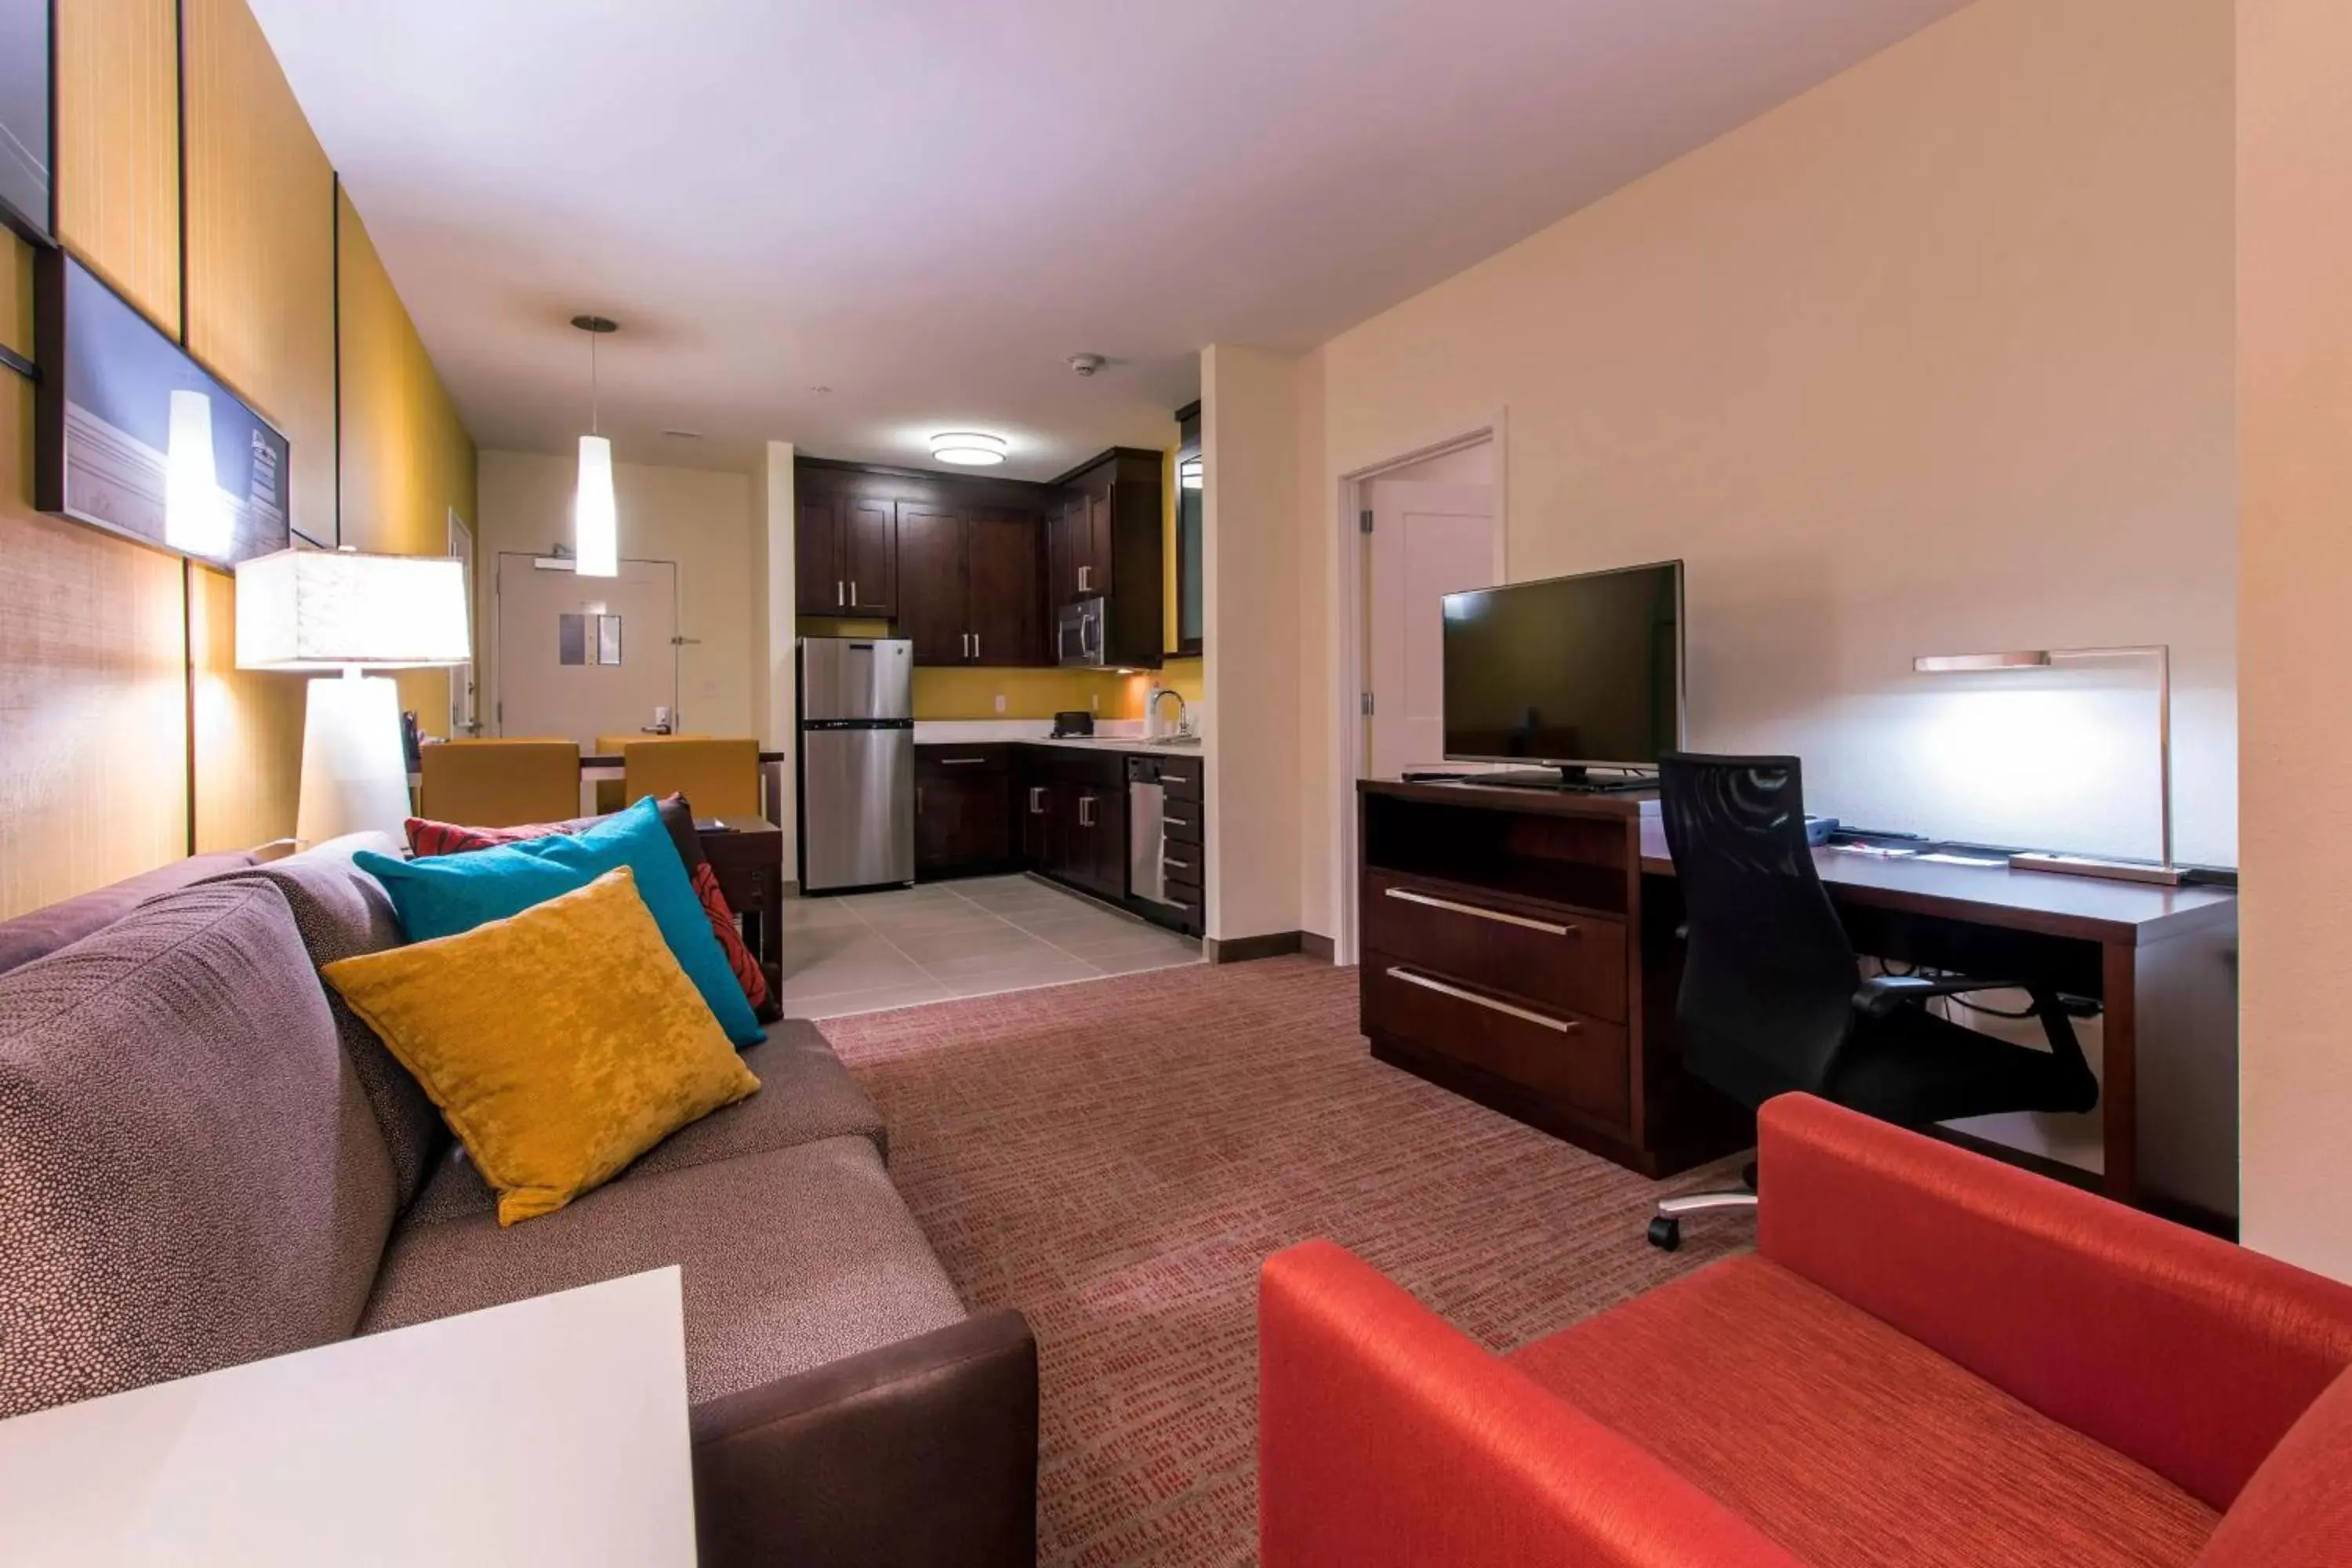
(584, 656)
(1427, 541)
(462, 721)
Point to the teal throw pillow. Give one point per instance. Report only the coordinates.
(442, 895)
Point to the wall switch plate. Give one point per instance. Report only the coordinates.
(1095, 702)
(1000, 702)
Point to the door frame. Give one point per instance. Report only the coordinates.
(1351, 586)
(562, 561)
(464, 679)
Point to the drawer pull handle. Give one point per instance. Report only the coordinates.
(1176, 865)
(1557, 1025)
(1177, 821)
(1549, 928)
(962, 762)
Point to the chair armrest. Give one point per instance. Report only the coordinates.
(2183, 1353)
(1387, 1438)
(924, 1451)
(1882, 994)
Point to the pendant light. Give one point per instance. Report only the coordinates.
(595, 519)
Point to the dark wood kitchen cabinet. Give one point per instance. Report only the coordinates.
(1072, 809)
(1107, 540)
(934, 601)
(845, 555)
(963, 811)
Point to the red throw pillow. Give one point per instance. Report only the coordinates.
(429, 837)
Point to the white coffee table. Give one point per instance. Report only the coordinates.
(552, 1431)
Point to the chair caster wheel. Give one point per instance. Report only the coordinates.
(1666, 1233)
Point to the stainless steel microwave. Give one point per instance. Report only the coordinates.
(1078, 634)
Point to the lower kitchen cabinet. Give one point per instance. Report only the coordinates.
(963, 811)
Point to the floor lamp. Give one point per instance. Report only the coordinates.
(2165, 872)
(350, 613)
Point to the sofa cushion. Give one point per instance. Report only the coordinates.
(189, 1175)
(44, 931)
(792, 1259)
(806, 1096)
(1850, 1444)
(342, 912)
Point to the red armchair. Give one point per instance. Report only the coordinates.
(1931, 1357)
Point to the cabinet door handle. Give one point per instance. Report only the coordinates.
(1557, 1025)
(962, 762)
(1085, 811)
(1036, 800)
(1549, 928)
(840, 594)
(1084, 574)
(853, 592)
(975, 648)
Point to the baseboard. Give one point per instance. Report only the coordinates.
(1247, 948)
(1317, 946)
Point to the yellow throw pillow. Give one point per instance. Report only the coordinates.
(559, 1044)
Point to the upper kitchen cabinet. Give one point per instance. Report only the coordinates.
(1190, 486)
(1106, 544)
(966, 578)
(847, 553)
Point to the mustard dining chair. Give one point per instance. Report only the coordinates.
(719, 777)
(500, 783)
(609, 795)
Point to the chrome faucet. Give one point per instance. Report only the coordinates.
(1153, 726)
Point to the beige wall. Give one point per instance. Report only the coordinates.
(2294, 363)
(1935, 358)
(1249, 558)
(698, 519)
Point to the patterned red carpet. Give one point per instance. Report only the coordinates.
(1115, 1158)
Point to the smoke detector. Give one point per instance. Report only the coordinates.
(1086, 365)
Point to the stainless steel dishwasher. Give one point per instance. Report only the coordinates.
(1147, 832)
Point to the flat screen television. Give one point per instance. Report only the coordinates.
(1572, 673)
(25, 121)
(133, 435)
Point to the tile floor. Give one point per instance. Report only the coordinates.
(866, 952)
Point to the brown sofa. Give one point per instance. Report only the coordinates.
(205, 1158)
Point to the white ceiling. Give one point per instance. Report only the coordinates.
(927, 206)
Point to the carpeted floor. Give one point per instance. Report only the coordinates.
(1115, 1158)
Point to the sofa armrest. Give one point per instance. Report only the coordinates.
(924, 1451)
(2183, 1353)
(1386, 1437)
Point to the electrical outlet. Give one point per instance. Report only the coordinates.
(1000, 702)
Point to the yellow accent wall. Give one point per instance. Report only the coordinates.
(406, 460)
(1027, 693)
(106, 647)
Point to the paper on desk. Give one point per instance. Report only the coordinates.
(1940, 859)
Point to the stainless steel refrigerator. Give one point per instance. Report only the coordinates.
(856, 762)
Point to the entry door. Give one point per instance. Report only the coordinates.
(1428, 541)
(584, 656)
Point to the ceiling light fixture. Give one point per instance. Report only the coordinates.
(595, 517)
(968, 448)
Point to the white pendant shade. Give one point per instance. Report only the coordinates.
(335, 609)
(595, 518)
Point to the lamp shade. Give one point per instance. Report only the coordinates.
(341, 609)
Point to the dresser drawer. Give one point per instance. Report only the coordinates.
(1578, 1060)
(1551, 957)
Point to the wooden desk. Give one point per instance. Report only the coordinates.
(748, 853)
(2161, 961)
(552, 1431)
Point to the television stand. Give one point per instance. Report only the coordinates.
(1510, 954)
(1570, 781)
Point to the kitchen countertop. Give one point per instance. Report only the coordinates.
(1112, 735)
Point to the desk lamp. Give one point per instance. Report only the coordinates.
(344, 611)
(2165, 873)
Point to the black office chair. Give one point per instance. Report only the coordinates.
(1773, 999)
